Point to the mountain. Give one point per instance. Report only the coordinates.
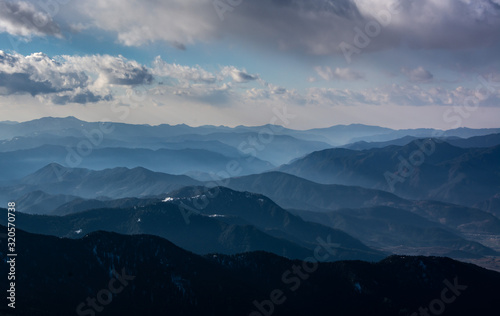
(153, 143)
(335, 135)
(38, 139)
(290, 191)
(229, 222)
(491, 205)
(114, 183)
(464, 225)
(462, 132)
(399, 231)
(54, 125)
(202, 235)
(39, 202)
(344, 134)
(152, 276)
(362, 145)
(424, 169)
(261, 212)
(80, 205)
(490, 140)
(415, 227)
(268, 146)
(241, 142)
(258, 144)
(482, 141)
(175, 161)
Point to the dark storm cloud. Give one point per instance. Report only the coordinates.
(312, 27)
(24, 19)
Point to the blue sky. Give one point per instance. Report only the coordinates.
(394, 63)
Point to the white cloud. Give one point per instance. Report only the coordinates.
(327, 73)
(404, 95)
(137, 23)
(179, 72)
(196, 83)
(68, 78)
(95, 78)
(237, 75)
(112, 70)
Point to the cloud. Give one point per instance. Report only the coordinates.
(312, 27)
(196, 83)
(79, 95)
(179, 72)
(68, 78)
(37, 74)
(20, 18)
(436, 24)
(112, 70)
(328, 74)
(309, 26)
(273, 94)
(96, 78)
(237, 75)
(405, 95)
(418, 75)
(196, 74)
(178, 22)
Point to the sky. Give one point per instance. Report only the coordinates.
(298, 63)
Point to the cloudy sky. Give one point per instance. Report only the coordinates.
(301, 63)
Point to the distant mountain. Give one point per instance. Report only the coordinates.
(175, 161)
(114, 183)
(275, 148)
(466, 220)
(55, 125)
(362, 145)
(155, 277)
(399, 231)
(154, 143)
(343, 134)
(290, 191)
(447, 173)
(80, 205)
(287, 144)
(241, 142)
(485, 141)
(296, 194)
(36, 140)
(461, 132)
(482, 141)
(39, 202)
(491, 205)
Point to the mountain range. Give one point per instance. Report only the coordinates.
(150, 275)
(231, 222)
(433, 227)
(225, 220)
(423, 169)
